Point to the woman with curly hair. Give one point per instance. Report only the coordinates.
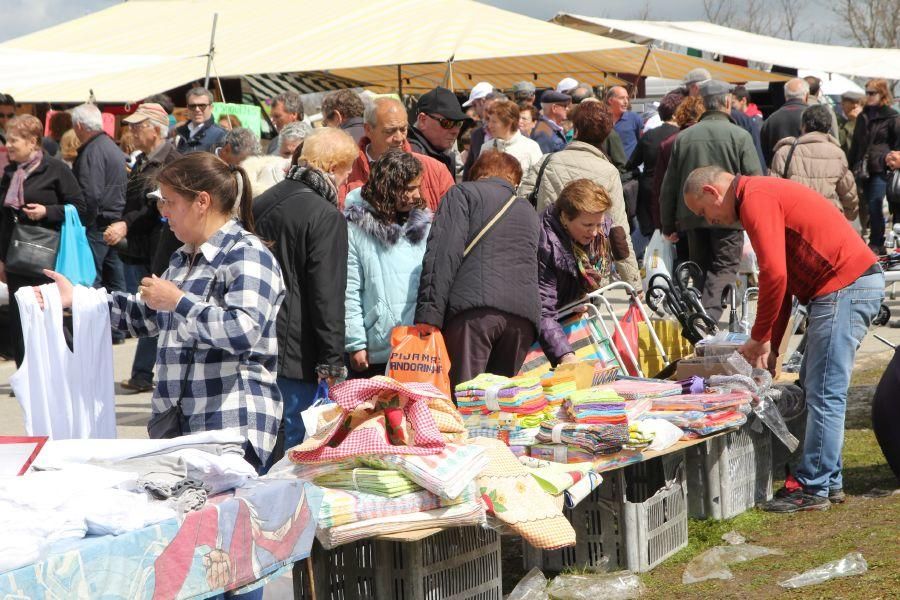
(387, 225)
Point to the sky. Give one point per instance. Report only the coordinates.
(24, 16)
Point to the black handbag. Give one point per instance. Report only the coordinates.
(32, 249)
(893, 187)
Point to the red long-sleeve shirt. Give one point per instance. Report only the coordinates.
(804, 246)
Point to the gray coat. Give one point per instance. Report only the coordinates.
(100, 171)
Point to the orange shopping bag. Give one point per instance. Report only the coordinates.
(418, 355)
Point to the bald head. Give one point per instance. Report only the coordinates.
(386, 125)
(796, 89)
(617, 98)
(706, 194)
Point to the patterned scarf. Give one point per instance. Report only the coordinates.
(15, 194)
(320, 182)
(594, 260)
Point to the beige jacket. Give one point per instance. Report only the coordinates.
(580, 160)
(820, 164)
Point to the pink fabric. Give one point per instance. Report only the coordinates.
(15, 194)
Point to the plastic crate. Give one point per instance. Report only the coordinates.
(452, 564)
(634, 518)
(729, 474)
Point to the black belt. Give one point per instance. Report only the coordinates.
(873, 270)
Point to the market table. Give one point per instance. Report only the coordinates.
(238, 540)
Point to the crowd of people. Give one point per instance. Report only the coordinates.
(251, 276)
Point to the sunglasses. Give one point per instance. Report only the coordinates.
(871, 93)
(444, 122)
(198, 106)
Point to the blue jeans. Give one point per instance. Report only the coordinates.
(875, 189)
(296, 396)
(145, 353)
(838, 322)
(110, 269)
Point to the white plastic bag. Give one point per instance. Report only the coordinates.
(851, 564)
(659, 257)
(321, 403)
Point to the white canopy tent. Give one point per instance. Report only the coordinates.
(413, 44)
(724, 41)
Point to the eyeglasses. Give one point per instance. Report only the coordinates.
(444, 122)
(7, 115)
(871, 93)
(137, 126)
(198, 106)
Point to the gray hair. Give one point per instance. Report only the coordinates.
(162, 129)
(716, 101)
(291, 101)
(243, 141)
(198, 91)
(796, 89)
(297, 130)
(694, 183)
(88, 116)
(371, 115)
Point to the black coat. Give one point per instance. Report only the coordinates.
(51, 184)
(874, 137)
(101, 173)
(420, 144)
(784, 122)
(646, 154)
(208, 137)
(751, 126)
(309, 237)
(141, 215)
(501, 271)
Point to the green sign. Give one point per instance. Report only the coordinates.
(249, 115)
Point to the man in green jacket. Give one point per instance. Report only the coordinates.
(714, 140)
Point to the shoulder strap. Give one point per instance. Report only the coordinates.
(533, 196)
(787, 161)
(488, 225)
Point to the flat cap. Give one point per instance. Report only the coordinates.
(714, 87)
(852, 96)
(696, 76)
(554, 97)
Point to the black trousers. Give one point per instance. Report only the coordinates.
(718, 252)
(886, 414)
(485, 340)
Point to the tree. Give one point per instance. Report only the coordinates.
(870, 23)
(792, 22)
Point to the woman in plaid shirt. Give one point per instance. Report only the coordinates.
(218, 300)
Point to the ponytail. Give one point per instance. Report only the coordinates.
(244, 196)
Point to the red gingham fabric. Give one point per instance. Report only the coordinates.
(349, 395)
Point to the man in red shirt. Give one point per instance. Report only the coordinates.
(806, 248)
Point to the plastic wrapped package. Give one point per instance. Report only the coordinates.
(621, 585)
(851, 564)
(713, 563)
(532, 587)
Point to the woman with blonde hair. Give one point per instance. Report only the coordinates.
(308, 235)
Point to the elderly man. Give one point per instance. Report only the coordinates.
(523, 93)
(200, 133)
(239, 144)
(241, 149)
(806, 248)
(566, 85)
(437, 126)
(817, 97)
(100, 171)
(480, 99)
(344, 109)
(548, 132)
(287, 108)
(144, 241)
(581, 93)
(386, 127)
(851, 106)
(627, 124)
(784, 122)
(714, 140)
(693, 80)
(291, 136)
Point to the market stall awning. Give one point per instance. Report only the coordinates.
(724, 41)
(423, 41)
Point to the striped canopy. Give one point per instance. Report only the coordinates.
(388, 43)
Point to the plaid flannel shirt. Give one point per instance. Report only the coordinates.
(232, 381)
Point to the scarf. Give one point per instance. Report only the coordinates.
(15, 194)
(320, 182)
(594, 260)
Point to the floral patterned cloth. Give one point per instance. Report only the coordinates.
(513, 496)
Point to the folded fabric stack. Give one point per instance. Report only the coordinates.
(561, 453)
(446, 474)
(489, 393)
(458, 515)
(596, 405)
(553, 477)
(702, 402)
(448, 420)
(342, 507)
(638, 438)
(597, 438)
(557, 388)
(703, 414)
(634, 389)
(635, 409)
(379, 482)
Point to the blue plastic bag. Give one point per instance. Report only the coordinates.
(75, 259)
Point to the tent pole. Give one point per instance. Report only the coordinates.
(400, 81)
(641, 71)
(212, 51)
(449, 76)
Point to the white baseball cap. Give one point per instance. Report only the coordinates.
(481, 89)
(566, 85)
